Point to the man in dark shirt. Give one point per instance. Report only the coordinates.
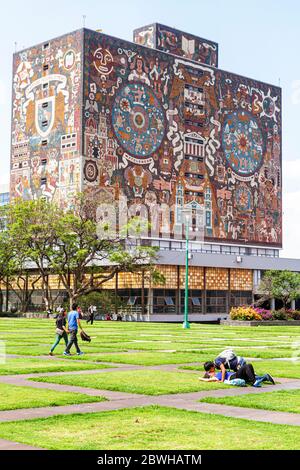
(233, 362)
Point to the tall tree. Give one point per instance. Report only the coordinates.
(87, 255)
(5, 264)
(83, 253)
(32, 229)
(281, 285)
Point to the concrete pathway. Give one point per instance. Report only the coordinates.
(9, 445)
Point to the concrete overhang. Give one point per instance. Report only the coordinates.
(213, 260)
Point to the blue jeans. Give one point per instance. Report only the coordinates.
(57, 340)
(260, 379)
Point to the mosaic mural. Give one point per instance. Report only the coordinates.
(176, 42)
(159, 129)
(46, 120)
(154, 127)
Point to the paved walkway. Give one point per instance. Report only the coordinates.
(9, 445)
(121, 400)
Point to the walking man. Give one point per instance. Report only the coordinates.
(73, 324)
(92, 310)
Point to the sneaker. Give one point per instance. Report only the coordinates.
(269, 378)
(80, 353)
(66, 353)
(51, 353)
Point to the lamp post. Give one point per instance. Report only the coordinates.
(186, 294)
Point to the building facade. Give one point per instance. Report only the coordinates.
(158, 124)
(4, 195)
(4, 200)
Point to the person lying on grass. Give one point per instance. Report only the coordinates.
(245, 372)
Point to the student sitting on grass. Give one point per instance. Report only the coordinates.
(245, 372)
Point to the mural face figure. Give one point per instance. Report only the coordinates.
(103, 61)
(139, 65)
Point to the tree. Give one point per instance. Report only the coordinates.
(281, 285)
(5, 264)
(14, 272)
(49, 241)
(32, 229)
(86, 260)
(105, 302)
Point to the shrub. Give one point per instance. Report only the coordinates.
(244, 313)
(280, 314)
(266, 315)
(293, 314)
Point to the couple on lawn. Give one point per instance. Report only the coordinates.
(233, 371)
(62, 331)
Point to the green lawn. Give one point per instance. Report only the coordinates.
(147, 344)
(286, 400)
(142, 358)
(43, 350)
(32, 366)
(147, 382)
(15, 397)
(150, 428)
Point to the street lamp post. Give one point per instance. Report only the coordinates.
(186, 294)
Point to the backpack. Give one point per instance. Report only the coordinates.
(229, 356)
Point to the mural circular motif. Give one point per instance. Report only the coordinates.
(138, 120)
(90, 171)
(243, 143)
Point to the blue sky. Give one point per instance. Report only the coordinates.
(258, 39)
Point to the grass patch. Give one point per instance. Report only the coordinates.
(146, 382)
(282, 400)
(15, 366)
(150, 428)
(14, 398)
(146, 358)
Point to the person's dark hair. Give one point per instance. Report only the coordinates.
(206, 375)
(74, 307)
(208, 365)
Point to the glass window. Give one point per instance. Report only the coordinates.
(169, 301)
(132, 300)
